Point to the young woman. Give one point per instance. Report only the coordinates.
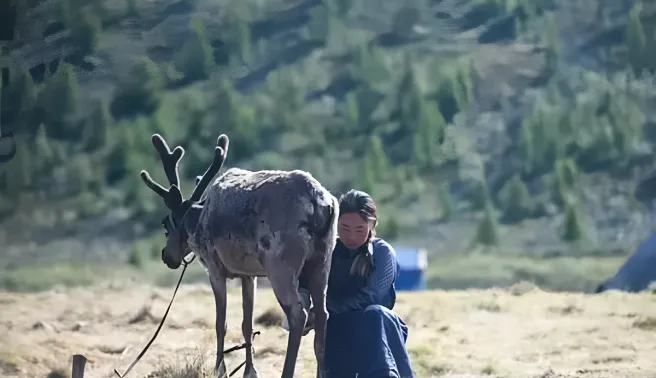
(365, 338)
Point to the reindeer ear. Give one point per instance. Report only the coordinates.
(186, 204)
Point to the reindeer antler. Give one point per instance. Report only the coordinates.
(170, 160)
(220, 153)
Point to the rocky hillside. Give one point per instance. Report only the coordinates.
(521, 126)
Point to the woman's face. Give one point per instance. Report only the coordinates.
(353, 231)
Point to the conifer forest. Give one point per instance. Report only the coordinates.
(506, 137)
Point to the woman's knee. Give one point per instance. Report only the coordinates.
(377, 310)
(387, 316)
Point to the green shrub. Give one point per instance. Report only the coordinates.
(516, 200)
(140, 92)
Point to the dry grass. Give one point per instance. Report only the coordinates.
(187, 370)
(58, 373)
(491, 333)
(648, 323)
(271, 317)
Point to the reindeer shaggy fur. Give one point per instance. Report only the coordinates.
(278, 224)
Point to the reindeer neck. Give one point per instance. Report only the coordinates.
(190, 221)
(196, 228)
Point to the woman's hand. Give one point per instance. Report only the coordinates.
(309, 324)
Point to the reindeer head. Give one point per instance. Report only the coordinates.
(176, 234)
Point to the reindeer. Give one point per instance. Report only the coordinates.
(276, 224)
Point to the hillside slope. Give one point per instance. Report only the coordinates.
(518, 127)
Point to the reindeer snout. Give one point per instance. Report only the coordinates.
(171, 263)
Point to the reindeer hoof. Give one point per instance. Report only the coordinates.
(221, 371)
(250, 373)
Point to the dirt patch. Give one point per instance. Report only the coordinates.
(452, 334)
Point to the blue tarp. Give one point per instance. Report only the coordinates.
(637, 273)
(412, 262)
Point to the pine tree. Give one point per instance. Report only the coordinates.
(132, 8)
(59, 101)
(399, 180)
(564, 181)
(526, 146)
(45, 158)
(97, 127)
(445, 201)
(405, 19)
(516, 200)
(567, 171)
(376, 160)
(479, 197)
(140, 93)
(368, 182)
(86, 30)
(319, 24)
(552, 42)
(389, 228)
(80, 174)
(352, 112)
(241, 35)
(135, 258)
(428, 134)
(20, 170)
(196, 61)
(487, 232)
(409, 98)
(636, 40)
(339, 8)
(463, 80)
(22, 92)
(573, 223)
(236, 118)
(368, 66)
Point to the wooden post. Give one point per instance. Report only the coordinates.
(79, 361)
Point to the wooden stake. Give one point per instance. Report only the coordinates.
(79, 361)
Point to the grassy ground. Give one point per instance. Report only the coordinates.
(485, 271)
(445, 272)
(516, 332)
(452, 272)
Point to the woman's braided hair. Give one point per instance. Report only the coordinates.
(357, 201)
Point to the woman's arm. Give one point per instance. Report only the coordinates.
(378, 283)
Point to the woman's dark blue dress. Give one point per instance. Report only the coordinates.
(365, 338)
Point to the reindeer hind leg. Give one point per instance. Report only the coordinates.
(248, 285)
(220, 298)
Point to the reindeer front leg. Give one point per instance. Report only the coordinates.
(219, 288)
(318, 272)
(248, 286)
(285, 287)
